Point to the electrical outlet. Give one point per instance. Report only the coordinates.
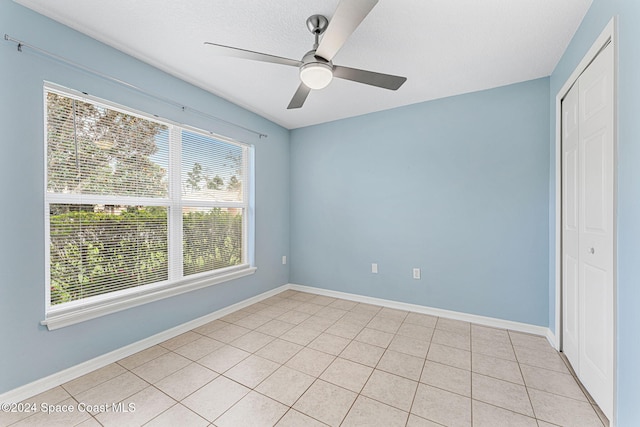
(284, 259)
(374, 268)
(416, 273)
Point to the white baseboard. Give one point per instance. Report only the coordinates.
(59, 378)
(481, 320)
(36, 387)
(553, 339)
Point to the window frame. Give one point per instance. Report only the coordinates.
(68, 313)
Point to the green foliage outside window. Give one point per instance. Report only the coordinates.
(212, 240)
(93, 253)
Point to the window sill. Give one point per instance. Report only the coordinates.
(60, 318)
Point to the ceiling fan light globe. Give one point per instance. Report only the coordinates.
(316, 75)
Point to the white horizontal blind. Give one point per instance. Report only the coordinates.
(110, 208)
(213, 189)
(102, 251)
(96, 150)
(213, 169)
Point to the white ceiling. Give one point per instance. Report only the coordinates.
(443, 47)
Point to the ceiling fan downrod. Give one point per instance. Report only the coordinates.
(317, 24)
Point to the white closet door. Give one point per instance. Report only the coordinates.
(596, 229)
(588, 228)
(570, 227)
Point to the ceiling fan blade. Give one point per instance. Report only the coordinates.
(249, 54)
(385, 81)
(348, 15)
(299, 97)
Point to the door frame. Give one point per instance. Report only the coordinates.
(608, 36)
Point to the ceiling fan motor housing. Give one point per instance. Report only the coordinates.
(315, 71)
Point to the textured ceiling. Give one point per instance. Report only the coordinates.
(443, 47)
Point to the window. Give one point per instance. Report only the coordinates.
(137, 208)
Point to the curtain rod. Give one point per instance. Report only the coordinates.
(66, 61)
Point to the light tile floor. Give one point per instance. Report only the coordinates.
(299, 359)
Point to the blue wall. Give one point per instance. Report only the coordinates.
(628, 191)
(29, 351)
(457, 187)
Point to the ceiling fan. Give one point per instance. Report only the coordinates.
(316, 68)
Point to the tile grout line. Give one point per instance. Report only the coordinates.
(313, 382)
(586, 393)
(471, 371)
(571, 373)
(422, 370)
(526, 388)
(315, 379)
(358, 394)
(367, 380)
